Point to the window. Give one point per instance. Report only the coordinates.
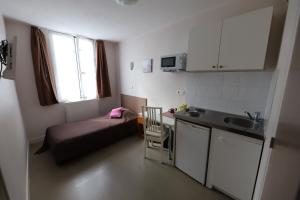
(74, 67)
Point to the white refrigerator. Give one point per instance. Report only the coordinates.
(192, 143)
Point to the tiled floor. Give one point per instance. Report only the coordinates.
(118, 172)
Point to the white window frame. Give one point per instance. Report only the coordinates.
(79, 72)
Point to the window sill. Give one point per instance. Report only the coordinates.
(79, 101)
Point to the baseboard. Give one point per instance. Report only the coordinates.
(36, 140)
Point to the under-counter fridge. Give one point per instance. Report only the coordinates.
(192, 143)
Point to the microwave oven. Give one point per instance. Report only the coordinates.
(176, 62)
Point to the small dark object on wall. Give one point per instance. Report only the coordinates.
(3, 51)
(3, 54)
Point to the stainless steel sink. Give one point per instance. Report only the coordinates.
(241, 122)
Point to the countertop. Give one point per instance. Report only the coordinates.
(215, 119)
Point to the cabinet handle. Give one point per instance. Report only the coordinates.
(220, 66)
(213, 66)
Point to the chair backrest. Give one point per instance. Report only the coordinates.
(152, 119)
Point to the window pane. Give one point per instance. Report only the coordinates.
(66, 73)
(88, 68)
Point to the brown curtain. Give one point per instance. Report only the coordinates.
(42, 68)
(103, 85)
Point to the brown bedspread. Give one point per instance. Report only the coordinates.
(70, 140)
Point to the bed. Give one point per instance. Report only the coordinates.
(71, 140)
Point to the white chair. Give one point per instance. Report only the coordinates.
(154, 133)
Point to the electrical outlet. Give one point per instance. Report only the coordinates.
(180, 92)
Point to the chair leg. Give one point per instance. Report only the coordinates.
(145, 147)
(162, 152)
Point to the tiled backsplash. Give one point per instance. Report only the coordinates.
(232, 92)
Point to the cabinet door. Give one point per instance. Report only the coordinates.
(192, 149)
(203, 47)
(244, 41)
(233, 163)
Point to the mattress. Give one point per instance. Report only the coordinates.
(71, 140)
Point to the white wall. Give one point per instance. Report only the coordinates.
(13, 142)
(232, 92)
(37, 118)
(282, 72)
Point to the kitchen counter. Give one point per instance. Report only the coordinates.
(215, 119)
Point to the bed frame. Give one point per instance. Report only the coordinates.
(133, 103)
(72, 140)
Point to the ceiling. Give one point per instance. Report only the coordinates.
(103, 19)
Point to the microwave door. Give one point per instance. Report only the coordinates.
(168, 62)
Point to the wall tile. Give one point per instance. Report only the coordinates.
(232, 92)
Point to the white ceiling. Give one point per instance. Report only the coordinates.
(103, 19)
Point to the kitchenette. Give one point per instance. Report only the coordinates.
(220, 150)
(225, 73)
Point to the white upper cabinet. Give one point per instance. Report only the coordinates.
(236, 44)
(204, 43)
(244, 41)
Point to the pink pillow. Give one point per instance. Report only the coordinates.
(116, 113)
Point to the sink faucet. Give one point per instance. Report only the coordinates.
(255, 117)
(249, 115)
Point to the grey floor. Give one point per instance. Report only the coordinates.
(118, 172)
